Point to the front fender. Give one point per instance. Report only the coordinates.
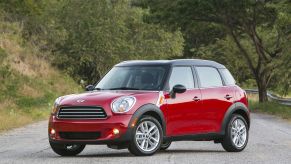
(149, 108)
(137, 115)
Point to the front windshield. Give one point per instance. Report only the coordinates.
(133, 78)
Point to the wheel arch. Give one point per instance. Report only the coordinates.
(236, 108)
(150, 110)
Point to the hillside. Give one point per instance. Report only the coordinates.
(28, 83)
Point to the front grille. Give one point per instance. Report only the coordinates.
(81, 112)
(80, 135)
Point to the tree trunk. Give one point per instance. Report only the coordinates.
(262, 87)
(259, 71)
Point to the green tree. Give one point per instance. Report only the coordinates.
(36, 17)
(88, 37)
(260, 29)
(223, 51)
(25, 11)
(97, 34)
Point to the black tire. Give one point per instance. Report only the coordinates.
(227, 142)
(165, 145)
(134, 148)
(64, 150)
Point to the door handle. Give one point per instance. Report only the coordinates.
(228, 97)
(196, 98)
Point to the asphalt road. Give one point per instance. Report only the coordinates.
(269, 142)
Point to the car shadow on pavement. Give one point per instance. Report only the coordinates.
(127, 154)
(190, 151)
(115, 154)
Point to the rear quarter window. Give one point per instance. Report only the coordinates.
(227, 77)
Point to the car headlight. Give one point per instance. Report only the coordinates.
(123, 104)
(56, 104)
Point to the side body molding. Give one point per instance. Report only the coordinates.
(236, 107)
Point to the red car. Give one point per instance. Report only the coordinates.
(146, 105)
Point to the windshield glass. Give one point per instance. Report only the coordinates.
(133, 78)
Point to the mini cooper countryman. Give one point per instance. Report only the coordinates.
(144, 106)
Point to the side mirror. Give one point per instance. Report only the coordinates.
(177, 89)
(89, 88)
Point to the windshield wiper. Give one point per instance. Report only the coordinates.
(123, 88)
(98, 89)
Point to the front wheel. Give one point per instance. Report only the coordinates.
(237, 133)
(67, 149)
(147, 137)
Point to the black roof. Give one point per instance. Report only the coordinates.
(196, 62)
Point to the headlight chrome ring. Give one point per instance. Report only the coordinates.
(123, 104)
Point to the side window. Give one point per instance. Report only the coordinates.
(183, 76)
(209, 77)
(228, 79)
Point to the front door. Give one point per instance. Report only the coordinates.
(182, 112)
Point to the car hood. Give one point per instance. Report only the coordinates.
(104, 98)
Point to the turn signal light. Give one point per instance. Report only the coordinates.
(161, 99)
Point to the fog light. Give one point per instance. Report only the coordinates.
(115, 131)
(53, 131)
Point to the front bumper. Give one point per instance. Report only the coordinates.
(102, 126)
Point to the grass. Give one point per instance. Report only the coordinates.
(26, 99)
(272, 108)
(28, 83)
(288, 95)
(13, 118)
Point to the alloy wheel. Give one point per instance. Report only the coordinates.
(238, 133)
(147, 136)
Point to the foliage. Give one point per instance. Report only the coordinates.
(272, 108)
(28, 84)
(3, 55)
(83, 38)
(223, 51)
(25, 11)
(260, 30)
(88, 37)
(165, 13)
(104, 32)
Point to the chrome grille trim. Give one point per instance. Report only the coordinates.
(80, 109)
(81, 112)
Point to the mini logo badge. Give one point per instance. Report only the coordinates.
(80, 101)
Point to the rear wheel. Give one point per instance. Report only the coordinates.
(147, 137)
(237, 133)
(67, 149)
(165, 145)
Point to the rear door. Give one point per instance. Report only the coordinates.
(216, 98)
(180, 111)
